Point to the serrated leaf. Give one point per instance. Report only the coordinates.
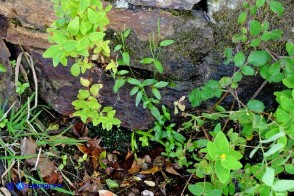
(269, 176)
(247, 70)
(242, 18)
(255, 28)
(277, 7)
(166, 42)
(260, 3)
(139, 97)
(239, 59)
(258, 57)
(255, 105)
(158, 66)
(256, 42)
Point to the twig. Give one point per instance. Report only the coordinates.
(37, 161)
(259, 89)
(8, 169)
(186, 184)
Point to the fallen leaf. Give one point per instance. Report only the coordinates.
(84, 149)
(28, 147)
(171, 170)
(106, 193)
(149, 183)
(125, 183)
(53, 178)
(45, 165)
(134, 168)
(5, 191)
(150, 171)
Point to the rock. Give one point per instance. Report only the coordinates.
(7, 89)
(170, 4)
(217, 5)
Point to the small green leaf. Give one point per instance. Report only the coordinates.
(195, 97)
(2, 68)
(148, 82)
(83, 94)
(126, 58)
(75, 69)
(272, 35)
(70, 45)
(212, 150)
(85, 27)
(134, 81)
(273, 149)
(112, 184)
(273, 138)
(247, 70)
(74, 26)
(222, 173)
(269, 176)
(290, 48)
(158, 66)
(117, 48)
(242, 18)
(83, 44)
(166, 42)
(51, 51)
(230, 162)
(134, 90)
(260, 3)
(139, 97)
(253, 10)
(255, 105)
(255, 28)
(118, 84)
(289, 168)
(147, 60)
(96, 36)
(84, 5)
(156, 93)
(126, 33)
(95, 89)
(283, 185)
(258, 57)
(222, 142)
(277, 7)
(255, 43)
(239, 59)
(160, 84)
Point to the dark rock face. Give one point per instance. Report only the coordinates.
(171, 4)
(188, 63)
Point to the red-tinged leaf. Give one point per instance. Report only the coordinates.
(84, 149)
(53, 178)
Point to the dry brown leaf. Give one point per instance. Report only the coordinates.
(135, 167)
(124, 183)
(129, 154)
(150, 171)
(84, 149)
(28, 147)
(149, 183)
(171, 170)
(5, 191)
(53, 178)
(45, 165)
(106, 193)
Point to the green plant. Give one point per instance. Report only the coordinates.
(78, 31)
(21, 87)
(2, 68)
